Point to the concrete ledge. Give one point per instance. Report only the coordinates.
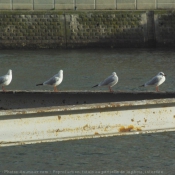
(103, 4)
(34, 99)
(166, 6)
(44, 5)
(130, 6)
(147, 6)
(165, 1)
(22, 5)
(64, 4)
(85, 4)
(5, 5)
(126, 4)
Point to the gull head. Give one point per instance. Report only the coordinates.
(60, 73)
(9, 72)
(161, 74)
(114, 73)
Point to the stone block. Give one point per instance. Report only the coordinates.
(5, 4)
(103, 4)
(64, 4)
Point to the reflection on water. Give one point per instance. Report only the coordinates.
(84, 68)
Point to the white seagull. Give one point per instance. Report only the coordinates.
(110, 81)
(54, 81)
(156, 81)
(5, 80)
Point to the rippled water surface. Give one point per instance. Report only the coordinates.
(84, 68)
(120, 155)
(134, 154)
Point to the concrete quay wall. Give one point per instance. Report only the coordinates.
(76, 29)
(86, 4)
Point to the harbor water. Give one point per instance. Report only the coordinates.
(87, 67)
(131, 154)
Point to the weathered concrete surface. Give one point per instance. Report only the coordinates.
(64, 4)
(22, 4)
(36, 125)
(85, 29)
(86, 4)
(24, 99)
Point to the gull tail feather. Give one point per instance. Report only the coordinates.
(39, 84)
(95, 86)
(142, 85)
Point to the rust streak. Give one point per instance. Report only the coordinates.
(96, 133)
(138, 129)
(126, 129)
(129, 128)
(59, 117)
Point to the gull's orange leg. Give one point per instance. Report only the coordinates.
(110, 89)
(157, 88)
(55, 89)
(3, 89)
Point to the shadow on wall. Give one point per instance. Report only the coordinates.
(109, 29)
(122, 29)
(164, 28)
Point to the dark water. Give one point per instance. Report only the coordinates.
(84, 68)
(126, 155)
(135, 154)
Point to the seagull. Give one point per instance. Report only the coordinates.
(110, 81)
(156, 81)
(54, 81)
(5, 80)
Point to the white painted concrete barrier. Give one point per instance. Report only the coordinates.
(57, 123)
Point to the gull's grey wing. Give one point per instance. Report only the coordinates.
(3, 79)
(107, 81)
(51, 81)
(154, 80)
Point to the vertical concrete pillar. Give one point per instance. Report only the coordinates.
(151, 40)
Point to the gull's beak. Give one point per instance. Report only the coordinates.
(165, 75)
